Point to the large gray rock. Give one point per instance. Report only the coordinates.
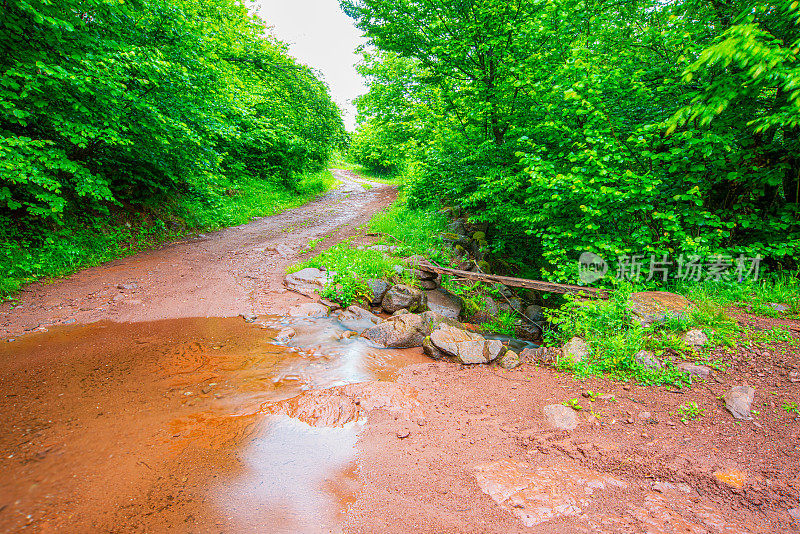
(466, 347)
(308, 281)
(378, 288)
(358, 319)
(575, 350)
(738, 401)
(490, 306)
(651, 307)
(695, 338)
(444, 303)
(403, 297)
(560, 417)
(398, 332)
(648, 360)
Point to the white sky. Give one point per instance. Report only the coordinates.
(321, 36)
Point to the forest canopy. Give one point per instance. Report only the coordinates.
(112, 102)
(634, 127)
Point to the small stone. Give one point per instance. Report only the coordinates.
(285, 335)
(731, 477)
(509, 360)
(794, 377)
(695, 338)
(494, 349)
(310, 310)
(648, 360)
(403, 433)
(535, 313)
(560, 417)
(699, 371)
(575, 350)
(738, 401)
(249, 317)
(403, 297)
(780, 308)
(378, 288)
(794, 513)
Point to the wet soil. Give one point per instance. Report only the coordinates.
(182, 425)
(485, 460)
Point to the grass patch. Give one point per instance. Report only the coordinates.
(757, 297)
(91, 239)
(413, 231)
(614, 337)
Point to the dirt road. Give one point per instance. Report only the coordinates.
(222, 274)
(133, 399)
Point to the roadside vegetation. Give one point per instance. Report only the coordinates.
(663, 133)
(124, 124)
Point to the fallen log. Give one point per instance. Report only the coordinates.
(538, 285)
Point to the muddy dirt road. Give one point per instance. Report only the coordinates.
(133, 398)
(222, 274)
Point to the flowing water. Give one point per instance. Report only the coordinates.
(185, 425)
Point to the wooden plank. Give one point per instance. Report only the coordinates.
(538, 285)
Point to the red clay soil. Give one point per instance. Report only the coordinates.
(162, 425)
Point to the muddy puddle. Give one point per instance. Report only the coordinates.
(187, 425)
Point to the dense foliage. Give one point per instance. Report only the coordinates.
(635, 127)
(116, 102)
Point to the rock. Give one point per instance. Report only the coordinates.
(794, 377)
(494, 349)
(285, 335)
(428, 284)
(127, 287)
(651, 307)
(248, 317)
(514, 303)
(780, 308)
(308, 280)
(400, 312)
(535, 313)
(399, 270)
(695, 338)
(358, 319)
(444, 303)
(379, 289)
(560, 417)
(700, 371)
(432, 320)
(457, 227)
(310, 310)
(398, 332)
(648, 360)
(467, 347)
(509, 360)
(490, 306)
(380, 248)
(284, 250)
(738, 401)
(575, 350)
(431, 350)
(332, 306)
(403, 297)
(794, 513)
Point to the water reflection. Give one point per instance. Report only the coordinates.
(296, 479)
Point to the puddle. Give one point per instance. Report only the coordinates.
(195, 424)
